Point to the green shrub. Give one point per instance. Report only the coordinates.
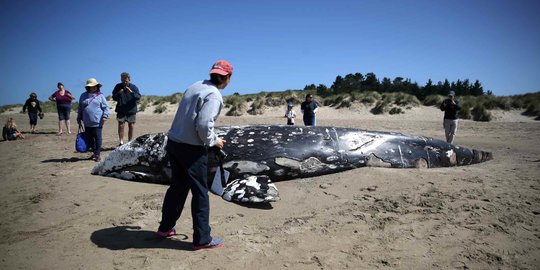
(404, 99)
(237, 109)
(368, 97)
(173, 99)
(433, 100)
(257, 107)
(479, 113)
(143, 106)
(380, 107)
(532, 110)
(465, 112)
(161, 108)
(396, 110)
(344, 104)
(6, 108)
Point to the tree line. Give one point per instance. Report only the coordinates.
(369, 82)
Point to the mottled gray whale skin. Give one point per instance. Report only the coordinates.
(277, 153)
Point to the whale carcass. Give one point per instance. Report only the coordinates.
(259, 155)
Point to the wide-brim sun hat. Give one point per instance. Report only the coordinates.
(92, 82)
(451, 94)
(221, 67)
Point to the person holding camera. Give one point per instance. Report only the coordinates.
(32, 104)
(126, 96)
(450, 106)
(189, 140)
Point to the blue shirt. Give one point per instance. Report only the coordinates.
(194, 120)
(126, 102)
(92, 108)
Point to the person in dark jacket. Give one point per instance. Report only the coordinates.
(450, 106)
(309, 108)
(32, 104)
(126, 96)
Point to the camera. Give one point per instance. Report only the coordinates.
(220, 154)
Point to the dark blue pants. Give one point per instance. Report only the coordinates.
(309, 120)
(189, 165)
(33, 118)
(93, 135)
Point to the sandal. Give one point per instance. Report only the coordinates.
(215, 243)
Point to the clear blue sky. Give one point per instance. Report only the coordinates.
(273, 45)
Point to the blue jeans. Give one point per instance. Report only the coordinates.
(310, 120)
(93, 135)
(189, 164)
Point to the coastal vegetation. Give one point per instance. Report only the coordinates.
(386, 96)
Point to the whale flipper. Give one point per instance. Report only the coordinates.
(251, 189)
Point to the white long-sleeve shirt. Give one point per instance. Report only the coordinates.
(194, 120)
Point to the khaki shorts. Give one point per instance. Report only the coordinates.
(130, 118)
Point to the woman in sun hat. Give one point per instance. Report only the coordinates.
(93, 112)
(63, 99)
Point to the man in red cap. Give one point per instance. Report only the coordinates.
(190, 136)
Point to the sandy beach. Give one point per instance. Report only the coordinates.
(56, 215)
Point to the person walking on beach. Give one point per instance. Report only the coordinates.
(309, 108)
(290, 114)
(190, 137)
(63, 99)
(93, 112)
(10, 132)
(32, 104)
(126, 96)
(450, 106)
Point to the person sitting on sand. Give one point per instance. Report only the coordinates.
(10, 131)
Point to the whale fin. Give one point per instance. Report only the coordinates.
(251, 189)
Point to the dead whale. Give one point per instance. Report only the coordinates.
(259, 155)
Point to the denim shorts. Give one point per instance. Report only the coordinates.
(63, 111)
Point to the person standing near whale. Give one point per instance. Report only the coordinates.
(126, 96)
(450, 106)
(309, 108)
(190, 137)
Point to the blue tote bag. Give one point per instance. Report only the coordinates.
(81, 143)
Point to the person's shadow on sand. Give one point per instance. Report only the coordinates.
(61, 160)
(126, 237)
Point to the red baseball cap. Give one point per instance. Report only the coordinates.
(222, 67)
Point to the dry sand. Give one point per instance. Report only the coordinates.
(55, 215)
